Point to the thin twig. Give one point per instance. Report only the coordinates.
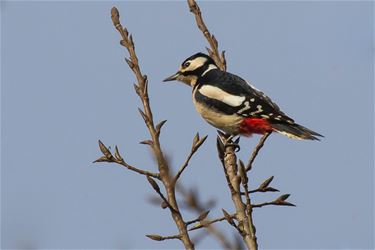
(197, 142)
(117, 158)
(267, 189)
(156, 187)
(213, 52)
(264, 186)
(280, 201)
(272, 203)
(137, 170)
(201, 217)
(207, 223)
(161, 238)
(183, 167)
(256, 151)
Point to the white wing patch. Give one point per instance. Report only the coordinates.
(221, 95)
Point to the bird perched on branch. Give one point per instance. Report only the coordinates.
(231, 104)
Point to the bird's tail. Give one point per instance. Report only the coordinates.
(296, 131)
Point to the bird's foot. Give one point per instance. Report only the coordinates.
(229, 142)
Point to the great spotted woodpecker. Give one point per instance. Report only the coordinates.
(231, 104)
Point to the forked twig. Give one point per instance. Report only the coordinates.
(108, 157)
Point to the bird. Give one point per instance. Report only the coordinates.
(232, 104)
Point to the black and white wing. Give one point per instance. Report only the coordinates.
(240, 97)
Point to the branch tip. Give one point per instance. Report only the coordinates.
(153, 183)
(203, 215)
(115, 15)
(147, 142)
(108, 155)
(117, 154)
(144, 116)
(161, 238)
(266, 183)
(283, 197)
(228, 217)
(159, 126)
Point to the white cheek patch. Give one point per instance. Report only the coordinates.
(220, 95)
(196, 63)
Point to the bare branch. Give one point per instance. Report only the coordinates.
(196, 144)
(272, 203)
(201, 217)
(213, 52)
(229, 218)
(244, 181)
(245, 225)
(256, 151)
(159, 126)
(141, 89)
(264, 187)
(206, 223)
(155, 186)
(236, 174)
(137, 170)
(267, 189)
(280, 201)
(108, 157)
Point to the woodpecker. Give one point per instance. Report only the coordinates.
(233, 105)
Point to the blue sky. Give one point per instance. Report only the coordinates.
(65, 84)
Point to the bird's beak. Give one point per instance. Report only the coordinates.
(172, 77)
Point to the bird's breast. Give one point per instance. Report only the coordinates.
(229, 123)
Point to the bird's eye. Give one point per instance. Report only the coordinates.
(187, 64)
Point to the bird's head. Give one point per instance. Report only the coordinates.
(193, 68)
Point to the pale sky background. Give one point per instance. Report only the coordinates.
(65, 84)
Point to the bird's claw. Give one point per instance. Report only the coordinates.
(230, 143)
